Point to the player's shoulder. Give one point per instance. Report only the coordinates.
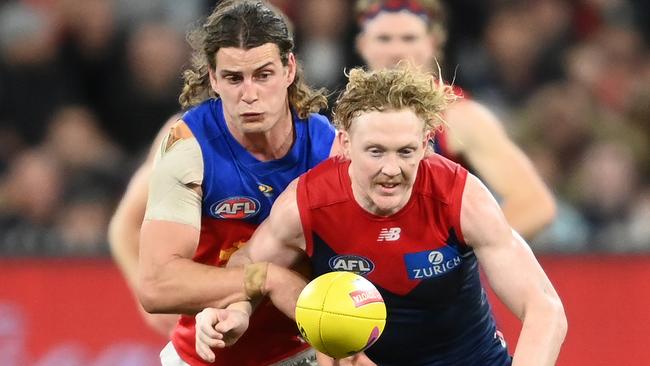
(324, 183)
(178, 131)
(170, 122)
(318, 118)
(318, 122)
(439, 175)
(326, 168)
(438, 163)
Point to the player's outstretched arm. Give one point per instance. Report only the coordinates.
(124, 231)
(476, 133)
(169, 280)
(278, 243)
(515, 275)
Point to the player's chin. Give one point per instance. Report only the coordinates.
(387, 204)
(389, 192)
(255, 127)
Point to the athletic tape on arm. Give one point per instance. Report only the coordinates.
(176, 171)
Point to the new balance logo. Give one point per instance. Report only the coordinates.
(389, 234)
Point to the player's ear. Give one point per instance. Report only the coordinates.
(429, 135)
(427, 145)
(344, 143)
(291, 68)
(213, 80)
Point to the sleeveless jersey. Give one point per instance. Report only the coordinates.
(437, 311)
(238, 191)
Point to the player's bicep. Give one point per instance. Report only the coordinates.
(173, 216)
(510, 266)
(279, 239)
(174, 187)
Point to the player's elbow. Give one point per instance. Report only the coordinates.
(148, 296)
(151, 294)
(555, 317)
(563, 325)
(547, 208)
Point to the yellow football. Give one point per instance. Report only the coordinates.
(340, 314)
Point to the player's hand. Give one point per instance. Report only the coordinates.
(283, 286)
(218, 328)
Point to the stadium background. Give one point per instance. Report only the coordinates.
(86, 84)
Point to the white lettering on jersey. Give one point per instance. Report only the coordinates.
(389, 234)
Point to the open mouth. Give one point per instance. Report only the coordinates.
(389, 185)
(388, 188)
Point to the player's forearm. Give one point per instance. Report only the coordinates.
(183, 286)
(283, 286)
(542, 334)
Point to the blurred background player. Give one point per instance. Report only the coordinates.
(249, 132)
(414, 30)
(443, 224)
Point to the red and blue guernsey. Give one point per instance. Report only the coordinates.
(437, 311)
(238, 191)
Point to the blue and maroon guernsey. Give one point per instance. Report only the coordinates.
(438, 313)
(238, 191)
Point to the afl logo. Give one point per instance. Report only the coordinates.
(235, 208)
(436, 257)
(351, 263)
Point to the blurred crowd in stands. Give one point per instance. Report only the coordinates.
(86, 84)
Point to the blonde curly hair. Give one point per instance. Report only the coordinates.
(243, 24)
(393, 89)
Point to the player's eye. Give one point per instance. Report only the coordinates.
(264, 75)
(233, 79)
(383, 38)
(375, 152)
(409, 38)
